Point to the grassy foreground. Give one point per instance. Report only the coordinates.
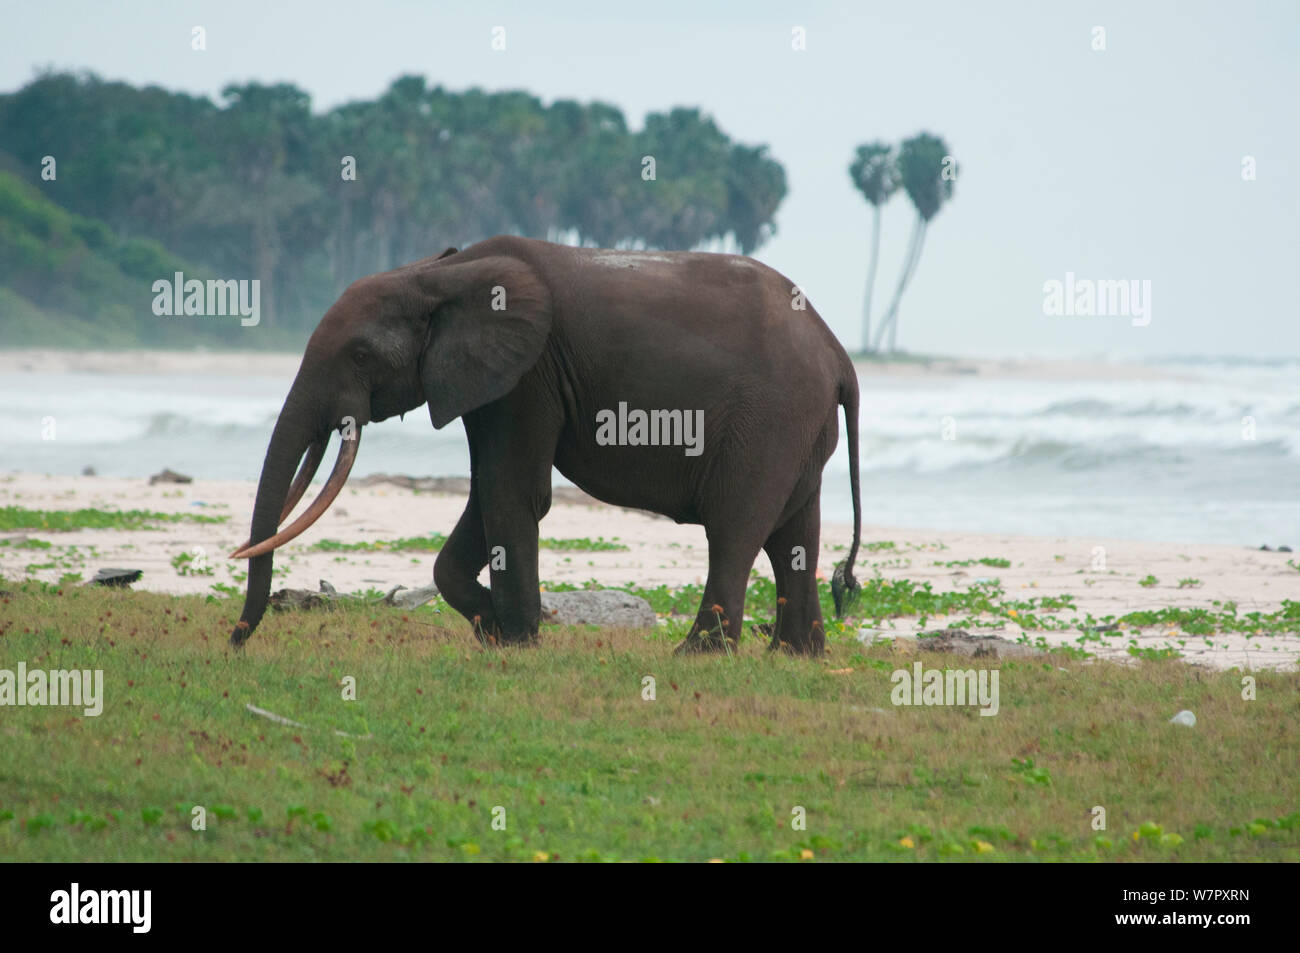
(560, 747)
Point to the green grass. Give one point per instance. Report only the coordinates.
(559, 736)
(435, 541)
(26, 544)
(186, 564)
(994, 561)
(583, 545)
(18, 517)
(983, 605)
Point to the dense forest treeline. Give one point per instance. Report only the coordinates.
(135, 182)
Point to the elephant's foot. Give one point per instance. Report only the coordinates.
(812, 642)
(711, 633)
(524, 640)
(701, 644)
(240, 635)
(489, 635)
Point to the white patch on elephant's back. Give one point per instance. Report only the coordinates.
(629, 259)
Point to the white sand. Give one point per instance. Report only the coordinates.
(661, 552)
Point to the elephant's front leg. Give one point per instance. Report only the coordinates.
(512, 444)
(512, 561)
(456, 570)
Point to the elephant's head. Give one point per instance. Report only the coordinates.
(455, 331)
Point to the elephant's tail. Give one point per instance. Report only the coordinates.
(844, 588)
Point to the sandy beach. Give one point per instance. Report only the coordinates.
(659, 552)
(207, 413)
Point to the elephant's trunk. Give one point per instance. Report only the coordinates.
(294, 433)
(310, 464)
(342, 467)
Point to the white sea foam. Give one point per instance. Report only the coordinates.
(1169, 458)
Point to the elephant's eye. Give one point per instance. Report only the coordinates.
(360, 356)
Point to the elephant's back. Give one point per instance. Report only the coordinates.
(701, 310)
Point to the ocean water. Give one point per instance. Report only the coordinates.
(1172, 458)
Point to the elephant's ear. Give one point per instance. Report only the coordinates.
(488, 323)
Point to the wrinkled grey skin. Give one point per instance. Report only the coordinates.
(581, 331)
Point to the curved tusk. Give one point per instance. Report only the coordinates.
(310, 464)
(342, 467)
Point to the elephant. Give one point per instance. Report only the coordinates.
(557, 356)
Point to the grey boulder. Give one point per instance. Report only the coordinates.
(610, 608)
(405, 598)
(116, 577)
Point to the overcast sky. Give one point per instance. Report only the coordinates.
(1117, 164)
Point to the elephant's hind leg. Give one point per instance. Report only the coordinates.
(793, 549)
(722, 611)
(456, 570)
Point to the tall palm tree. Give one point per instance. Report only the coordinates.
(876, 176)
(921, 172)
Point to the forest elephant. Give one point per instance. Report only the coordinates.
(703, 387)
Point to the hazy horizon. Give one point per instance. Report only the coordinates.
(1122, 164)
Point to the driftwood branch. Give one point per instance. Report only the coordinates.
(281, 720)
